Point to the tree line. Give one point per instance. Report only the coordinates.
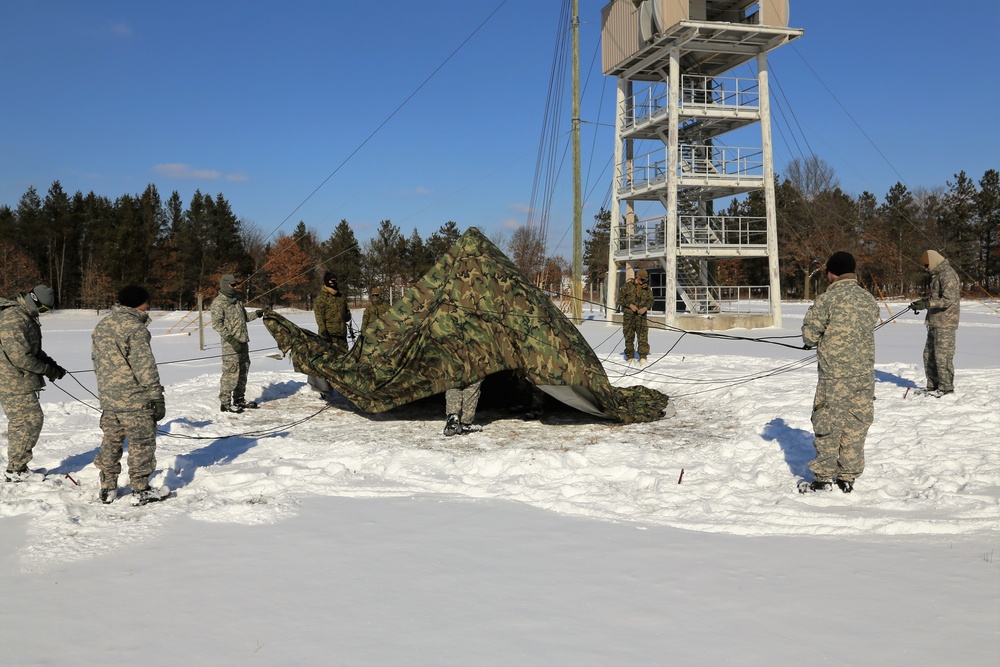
(87, 246)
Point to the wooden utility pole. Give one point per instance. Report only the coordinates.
(577, 187)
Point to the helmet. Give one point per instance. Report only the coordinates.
(376, 291)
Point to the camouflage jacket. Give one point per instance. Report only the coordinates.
(372, 313)
(641, 297)
(230, 318)
(127, 378)
(22, 361)
(332, 315)
(943, 297)
(841, 325)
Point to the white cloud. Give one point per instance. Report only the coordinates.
(177, 170)
(236, 178)
(419, 191)
(121, 29)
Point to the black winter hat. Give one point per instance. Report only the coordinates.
(133, 296)
(841, 263)
(330, 279)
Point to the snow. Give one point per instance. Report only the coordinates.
(313, 534)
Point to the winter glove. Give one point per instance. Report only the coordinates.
(159, 408)
(326, 336)
(54, 372)
(918, 305)
(350, 332)
(260, 312)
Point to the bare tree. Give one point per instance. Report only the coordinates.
(527, 250)
(812, 176)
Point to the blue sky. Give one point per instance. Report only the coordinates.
(271, 103)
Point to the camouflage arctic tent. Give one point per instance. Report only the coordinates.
(471, 315)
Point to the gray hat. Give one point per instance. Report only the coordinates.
(226, 280)
(43, 295)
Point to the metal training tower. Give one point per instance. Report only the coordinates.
(691, 133)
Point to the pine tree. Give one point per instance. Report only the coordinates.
(595, 248)
(341, 254)
(988, 231)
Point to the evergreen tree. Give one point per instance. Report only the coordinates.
(57, 224)
(384, 256)
(988, 231)
(417, 260)
(959, 224)
(595, 248)
(442, 240)
(341, 255)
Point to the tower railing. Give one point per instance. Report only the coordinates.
(724, 92)
(721, 230)
(647, 237)
(694, 160)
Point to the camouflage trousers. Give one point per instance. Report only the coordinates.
(235, 366)
(24, 425)
(843, 410)
(139, 428)
(635, 326)
(939, 358)
(463, 402)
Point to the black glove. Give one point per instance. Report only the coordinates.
(54, 372)
(326, 336)
(159, 407)
(919, 304)
(260, 312)
(350, 332)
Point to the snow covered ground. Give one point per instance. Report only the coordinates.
(306, 533)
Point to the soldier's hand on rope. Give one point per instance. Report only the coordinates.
(919, 304)
(633, 308)
(159, 406)
(54, 371)
(260, 312)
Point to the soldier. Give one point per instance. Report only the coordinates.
(942, 303)
(841, 325)
(22, 365)
(131, 395)
(230, 318)
(332, 314)
(376, 309)
(460, 406)
(636, 299)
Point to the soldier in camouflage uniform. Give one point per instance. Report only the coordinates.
(942, 303)
(230, 318)
(376, 309)
(841, 325)
(131, 395)
(460, 406)
(332, 314)
(636, 299)
(22, 365)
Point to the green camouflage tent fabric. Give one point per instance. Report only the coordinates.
(473, 314)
